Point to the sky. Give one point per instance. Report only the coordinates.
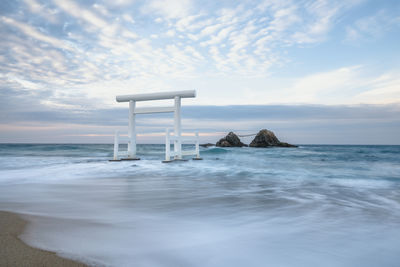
(312, 71)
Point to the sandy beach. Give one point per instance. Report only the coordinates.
(14, 252)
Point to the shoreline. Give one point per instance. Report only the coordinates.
(14, 252)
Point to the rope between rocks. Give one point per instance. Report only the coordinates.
(245, 135)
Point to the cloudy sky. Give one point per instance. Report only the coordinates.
(312, 71)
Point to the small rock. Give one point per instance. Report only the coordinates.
(231, 140)
(207, 145)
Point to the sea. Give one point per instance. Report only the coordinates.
(315, 205)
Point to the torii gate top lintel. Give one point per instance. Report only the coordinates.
(156, 96)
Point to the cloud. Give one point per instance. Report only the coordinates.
(174, 9)
(321, 18)
(312, 88)
(119, 3)
(383, 89)
(42, 10)
(346, 85)
(35, 34)
(372, 27)
(104, 45)
(80, 12)
(34, 6)
(76, 56)
(295, 123)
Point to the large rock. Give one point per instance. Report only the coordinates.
(266, 138)
(231, 140)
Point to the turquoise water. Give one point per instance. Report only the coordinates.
(313, 205)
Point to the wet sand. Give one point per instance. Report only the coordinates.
(14, 252)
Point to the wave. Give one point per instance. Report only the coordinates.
(214, 150)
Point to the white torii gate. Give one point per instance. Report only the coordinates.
(177, 138)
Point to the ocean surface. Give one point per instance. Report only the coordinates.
(315, 205)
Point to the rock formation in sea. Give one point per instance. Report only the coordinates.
(231, 140)
(266, 138)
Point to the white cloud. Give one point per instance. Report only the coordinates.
(372, 27)
(187, 23)
(42, 10)
(314, 88)
(347, 85)
(25, 85)
(384, 89)
(321, 18)
(219, 50)
(170, 33)
(32, 32)
(128, 34)
(101, 9)
(210, 29)
(284, 18)
(218, 38)
(192, 51)
(119, 3)
(75, 10)
(34, 6)
(172, 9)
(128, 18)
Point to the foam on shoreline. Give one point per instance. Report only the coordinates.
(239, 206)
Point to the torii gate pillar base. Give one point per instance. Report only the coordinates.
(130, 159)
(173, 160)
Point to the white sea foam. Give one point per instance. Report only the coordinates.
(317, 205)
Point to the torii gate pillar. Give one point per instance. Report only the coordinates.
(132, 131)
(177, 128)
